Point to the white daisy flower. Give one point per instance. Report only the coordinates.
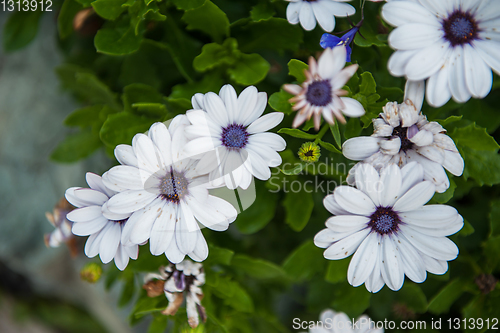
(184, 278)
(307, 12)
(401, 135)
(338, 322)
(104, 228)
(320, 93)
(164, 196)
(230, 138)
(453, 44)
(385, 224)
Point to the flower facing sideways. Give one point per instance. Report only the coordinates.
(91, 218)
(401, 135)
(228, 134)
(384, 222)
(164, 196)
(338, 322)
(453, 45)
(321, 93)
(177, 281)
(307, 12)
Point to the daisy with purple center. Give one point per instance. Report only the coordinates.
(453, 44)
(228, 135)
(385, 223)
(166, 198)
(92, 218)
(321, 93)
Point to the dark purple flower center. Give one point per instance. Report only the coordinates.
(234, 136)
(460, 28)
(402, 133)
(319, 93)
(384, 220)
(174, 186)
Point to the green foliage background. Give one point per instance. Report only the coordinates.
(135, 62)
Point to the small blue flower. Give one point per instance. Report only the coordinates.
(328, 40)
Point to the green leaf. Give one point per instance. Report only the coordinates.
(20, 29)
(214, 54)
(84, 117)
(336, 134)
(240, 299)
(353, 128)
(250, 69)
(296, 133)
(297, 216)
(474, 137)
(262, 11)
(494, 217)
(296, 69)
(443, 300)
(109, 9)
(413, 297)
(188, 4)
(335, 272)
(153, 110)
(449, 120)
(368, 85)
(76, 146)
(279, 102)
(208, 19)
(140, 93)
(121, 127)
(257, 268)
(274, 34)
(187, 90)
(482, 166)
(483, 112)
(352, 301)
(117, 40)
(158, 324)
(259, 214)
(219, 255)
(295, 169)
(467, 229)
(128, 289)
(442, 198)
(370, 38)
(304, 262)
(66, 16)
(491, 250)
(328, 146)
(147, 305)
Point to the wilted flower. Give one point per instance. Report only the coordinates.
(177, 281)
(62, 233)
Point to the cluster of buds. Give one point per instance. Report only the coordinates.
(177, 281)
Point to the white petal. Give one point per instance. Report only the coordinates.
(199, 146)
(432, 171)
(414, 91)
(392, 268)
(84, 214)
(292, 12)
(333, 207)
(441, 8)
(427, 61)
(440, 248)
(390, 182)
(339, 9)
(160, 136)
(434, 266)
(398, 61)
(197, 101)
(359, 148)
(89, 227)
(433, 153)
(200, 252)
(331, 62)
(174, 255)
(228, 96)
(162, 231)
(453, 162)
(142, 221)
(306, 17)
(125, 155)
(416, 197)
(412, 174)
(121, 258)
(185, 229)
(90, 197)
(423, 138)
(273, 140)
(456, 80)
(478, 76)
(130, 201)
(363, 261)
(430, 216)
(354, 200)
(325, 238)
(95, 183)
(347, 223)
(110, 241)
(446, 230)
(346, 246)
(489, 51)
(125, 177)
(390, 146)
(413, 36)
(93, 243)
(216, 109)
(438, 90)
(325, 19)
(397, 13)
(145, 151)
(259, 167)
(251, 104)
(353, 108)
(368, 181)
(413, 263)
(265, 123)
